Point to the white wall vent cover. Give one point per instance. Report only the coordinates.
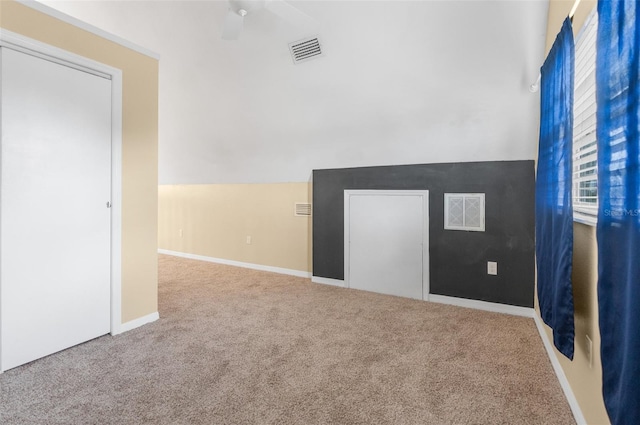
(464, 211)
(304, 50)
(302, 209)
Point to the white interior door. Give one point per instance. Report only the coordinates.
(54, 220)
(387, 242)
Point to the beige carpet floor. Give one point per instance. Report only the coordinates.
(236, 346)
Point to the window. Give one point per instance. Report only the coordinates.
(464, 211)
(585, 164)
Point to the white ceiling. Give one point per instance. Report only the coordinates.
(401, 82)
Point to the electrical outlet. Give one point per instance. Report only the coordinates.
(248, 240)
(180, 232)
(589, 351)
(492, 267)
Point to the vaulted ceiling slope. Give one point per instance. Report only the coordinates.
(400, 82)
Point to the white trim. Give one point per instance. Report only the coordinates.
(327, 281)
(483, 305)
(291, 272)
(425, 230)
(562, 378)
(1, 368)
(24, 44)
(15, 41)
(12, 40)
(116, 202)
(54, 13)
(140, 321)
(587, 219)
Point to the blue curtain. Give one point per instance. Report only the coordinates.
(554, 208)
(618, 231)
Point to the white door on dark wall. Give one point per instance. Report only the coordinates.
(386, 242)
(55, 224)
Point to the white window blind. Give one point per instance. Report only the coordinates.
(585, 159)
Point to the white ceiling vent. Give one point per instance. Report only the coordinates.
(304, 50)
(302, 209)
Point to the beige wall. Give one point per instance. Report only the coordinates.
(558, 12)
(585, 378)
(216, 219)
(139, 145)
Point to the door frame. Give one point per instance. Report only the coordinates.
(425, 230)
(36, 48)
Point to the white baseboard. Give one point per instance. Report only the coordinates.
(562, 378)
(298, 273)
(136, 323)
(483, 305)
(327, 281)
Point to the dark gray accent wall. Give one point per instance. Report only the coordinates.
(458, 259)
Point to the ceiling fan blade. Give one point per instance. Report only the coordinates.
(291, 14)
(233, 24)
